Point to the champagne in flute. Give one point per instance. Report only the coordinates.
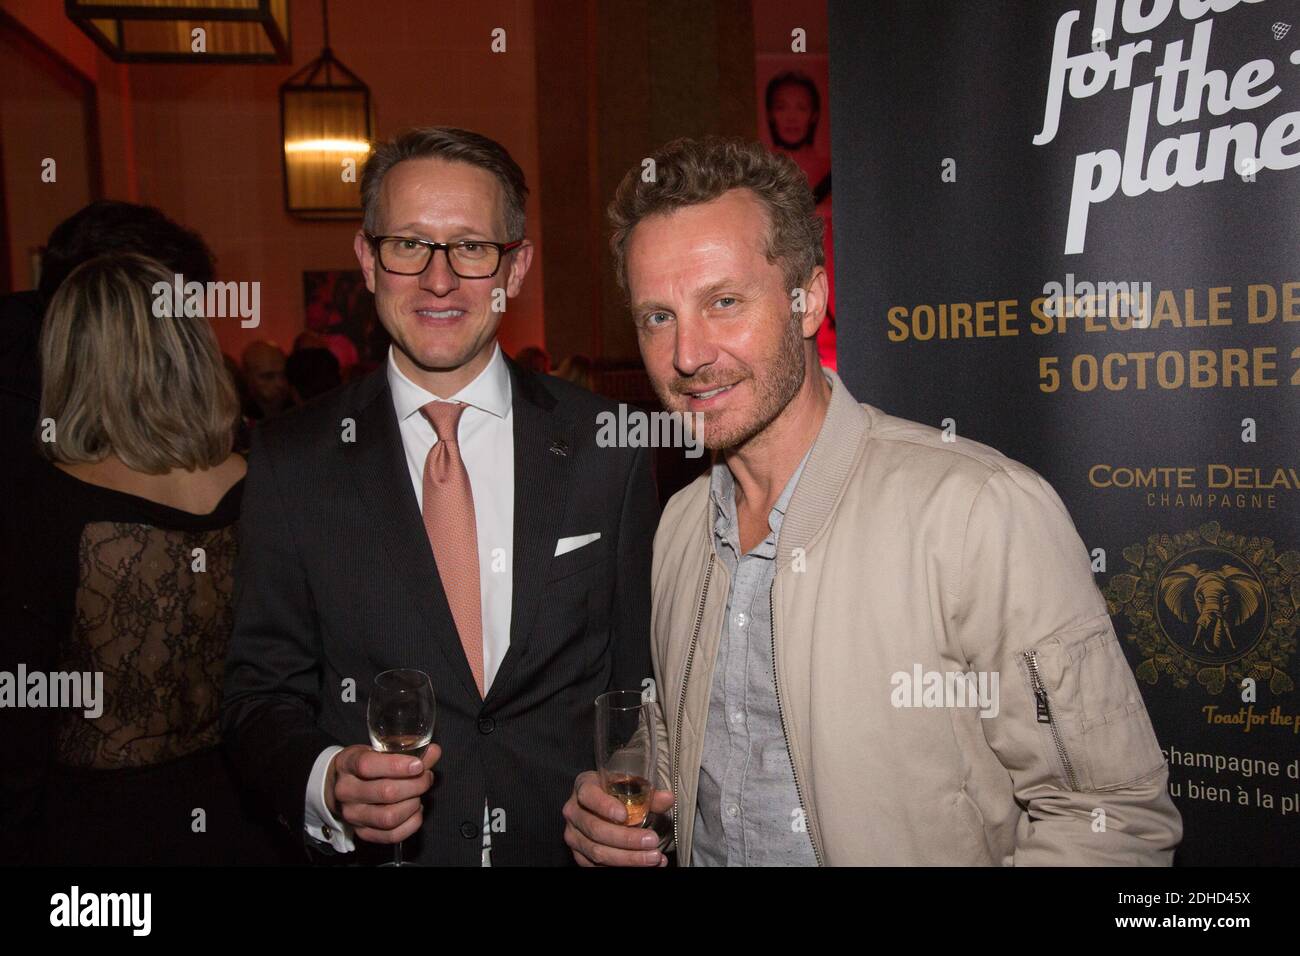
(400, 717)
(625, 751)
(634, 793)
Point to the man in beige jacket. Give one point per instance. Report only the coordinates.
(872, 646)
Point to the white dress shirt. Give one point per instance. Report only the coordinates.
(487, 446)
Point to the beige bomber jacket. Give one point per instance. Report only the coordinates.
(904, 556)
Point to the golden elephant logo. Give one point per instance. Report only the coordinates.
(1209, 607)
(1216, 600)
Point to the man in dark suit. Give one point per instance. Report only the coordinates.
(450, 512)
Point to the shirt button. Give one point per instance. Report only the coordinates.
(740, 619)
(732, 810)
(327, 831)
(486, 725)
(737, 717)
(468, 830)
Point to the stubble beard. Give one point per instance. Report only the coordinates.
(775, 387)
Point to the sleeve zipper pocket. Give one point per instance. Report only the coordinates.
(1044, 715)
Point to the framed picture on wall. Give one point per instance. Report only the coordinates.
(340, 310)
(794, 118)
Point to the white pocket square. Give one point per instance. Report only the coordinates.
(565, 545)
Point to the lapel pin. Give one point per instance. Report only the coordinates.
(559, 448)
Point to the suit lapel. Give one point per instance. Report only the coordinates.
(545, 459)
(377, 462)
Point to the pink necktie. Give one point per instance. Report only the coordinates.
(449, 521)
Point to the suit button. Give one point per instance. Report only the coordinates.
(486, 725)
(468, 830)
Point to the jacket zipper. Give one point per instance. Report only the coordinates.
(681, 704)
(780, 709)
(1045, 716)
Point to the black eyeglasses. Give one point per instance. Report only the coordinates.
(468, 258)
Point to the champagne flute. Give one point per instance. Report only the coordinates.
(625, 751)
(400, 716)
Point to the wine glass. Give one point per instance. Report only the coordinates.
(400, 716)
(625, 751)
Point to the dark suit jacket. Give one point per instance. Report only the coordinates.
(336, 581)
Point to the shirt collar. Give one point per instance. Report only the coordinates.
(784, 501)
(488, 392)
(722, 486)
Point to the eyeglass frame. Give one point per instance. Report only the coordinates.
(501, 247)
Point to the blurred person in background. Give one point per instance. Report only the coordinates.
(578, 370)
(312, 372)
(310, 339)
(268, 388)
(534, 358)
(243, 425)
(97, 229)
(344, 350)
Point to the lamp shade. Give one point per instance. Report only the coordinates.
(325, 115)
(162, 31)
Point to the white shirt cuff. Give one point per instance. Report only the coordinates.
(321, 825)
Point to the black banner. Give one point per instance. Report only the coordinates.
(1069, 229)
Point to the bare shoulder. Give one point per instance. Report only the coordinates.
(235, 467)
(201, 491)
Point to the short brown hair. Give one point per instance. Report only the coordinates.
(688, 172)
(119, 380)
(457, 145)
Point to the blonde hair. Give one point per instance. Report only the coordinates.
(119, 380)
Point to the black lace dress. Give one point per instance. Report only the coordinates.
(112, 584)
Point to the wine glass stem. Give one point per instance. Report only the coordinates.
(397, 854)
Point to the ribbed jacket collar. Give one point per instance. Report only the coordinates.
(837, 448)
(834, 453)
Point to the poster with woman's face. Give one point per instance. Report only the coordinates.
(793, 106)
(794, 118)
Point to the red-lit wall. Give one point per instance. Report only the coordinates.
(203, 142)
